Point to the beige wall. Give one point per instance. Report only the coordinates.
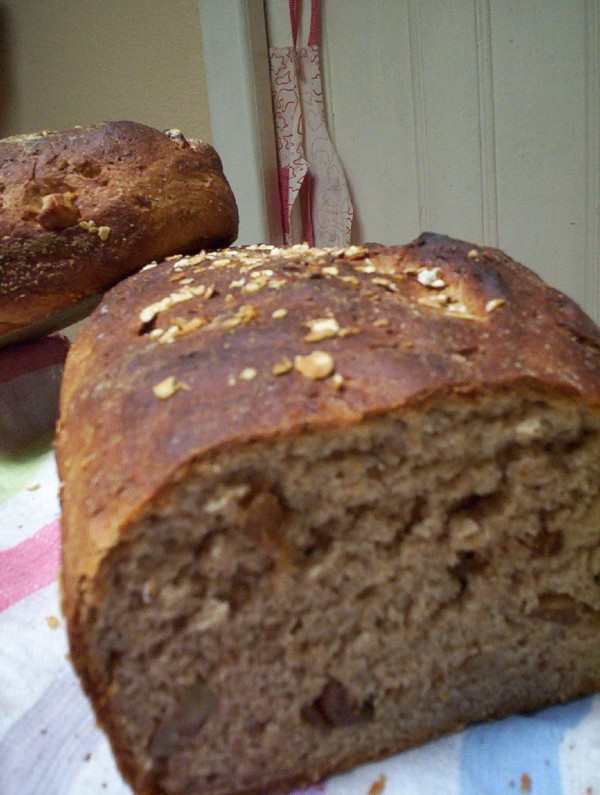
(67, 62)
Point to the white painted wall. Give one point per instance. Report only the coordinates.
(474, 118)
(235, 45)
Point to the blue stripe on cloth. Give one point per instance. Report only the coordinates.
(43, 750)
(494, 756)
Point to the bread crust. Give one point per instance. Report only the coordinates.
(538, 339)
(83, 208)
(437, 318)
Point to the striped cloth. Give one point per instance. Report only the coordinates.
(49, 744)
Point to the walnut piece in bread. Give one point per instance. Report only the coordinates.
(275, 572)
(83, 208)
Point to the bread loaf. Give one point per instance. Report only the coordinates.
(83, 208)
(323, 505)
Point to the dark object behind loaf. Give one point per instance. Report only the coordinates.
(30, 376)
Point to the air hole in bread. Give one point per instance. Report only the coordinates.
(564, 609)
(88, 168)
(547, 543)
(147, 327)
(469, 563)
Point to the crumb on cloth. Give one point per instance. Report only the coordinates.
(525, 783)
(378, 786)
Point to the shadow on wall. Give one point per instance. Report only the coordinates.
(6, 85)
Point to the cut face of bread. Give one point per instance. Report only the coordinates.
(287, 609)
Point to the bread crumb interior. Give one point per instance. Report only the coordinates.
(314, 601)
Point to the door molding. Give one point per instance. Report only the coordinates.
(234, 40)
(592, 158)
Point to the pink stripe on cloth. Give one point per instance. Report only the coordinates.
(30, 565)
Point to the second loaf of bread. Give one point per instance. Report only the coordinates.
(322, 505)
(82, 208)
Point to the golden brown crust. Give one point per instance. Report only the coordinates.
(159, 386)
(83, 208)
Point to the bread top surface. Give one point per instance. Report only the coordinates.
(82, 208)
(200, 354)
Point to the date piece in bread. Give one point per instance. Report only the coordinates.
(323, 505)
(83, 208)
